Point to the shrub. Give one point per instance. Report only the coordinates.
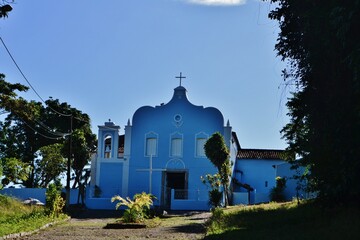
(54, 202)
(1, 173)
(214, 183)
(216, 221)
(137, 209)
(277, 192)
(215, 197)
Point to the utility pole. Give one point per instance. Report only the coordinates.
(69, 165)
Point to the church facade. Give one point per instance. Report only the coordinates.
(162, 153)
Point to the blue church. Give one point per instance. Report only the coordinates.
(162, 153)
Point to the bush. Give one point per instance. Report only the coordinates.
(214, 183)
(54, 202)
(137, 209)
(1, 173)
(216, 221)
(277, 192)
(215, 197)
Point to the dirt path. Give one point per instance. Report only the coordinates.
(186, 226)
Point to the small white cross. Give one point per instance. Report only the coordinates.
(150, 170)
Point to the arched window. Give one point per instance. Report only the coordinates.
(176, 145)
(107, 146)
(200, 140)
(151, 140)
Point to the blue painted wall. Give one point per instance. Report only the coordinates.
(293, 186)
(110, 179)
(256, 172)
(178, 117)
(261, 175)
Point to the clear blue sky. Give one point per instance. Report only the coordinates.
(108, 58)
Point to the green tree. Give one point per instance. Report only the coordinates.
(18, 139)
(26, 132)
(217, 152)
(14, 170)
(5, 8)
(321, 42)
(83, 145)
(83, 141)
(9, 100)
(50, 164)
(9, 156)
(1, 175)
(30, 125)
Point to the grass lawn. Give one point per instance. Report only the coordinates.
(16, 217)
(285, 221)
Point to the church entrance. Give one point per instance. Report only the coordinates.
(176, 180)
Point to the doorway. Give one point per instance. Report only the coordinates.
(176, 180)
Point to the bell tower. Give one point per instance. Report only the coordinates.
(108, 141)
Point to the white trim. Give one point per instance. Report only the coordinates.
(176, 161)
(127, 159)
(111, 160)
(149, 135)
(199, 135)
(113, 147)
(177, 122)
(176, 135)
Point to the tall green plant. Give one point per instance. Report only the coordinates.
(1, 173)
(277, 193)
(218, 153)
(54, 202)
(215, 194)
(137, 208)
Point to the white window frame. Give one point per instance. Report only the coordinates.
(154, 139)
(106, 153)
(176, 138)
(203, 137)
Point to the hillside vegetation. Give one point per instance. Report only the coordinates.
(16, 217)
(284, 221)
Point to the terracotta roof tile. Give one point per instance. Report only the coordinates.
(261, 154)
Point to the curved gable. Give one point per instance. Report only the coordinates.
(178, 111)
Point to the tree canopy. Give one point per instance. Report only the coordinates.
(35, 136)
(217, 152)
(320, 40)
(5, 8)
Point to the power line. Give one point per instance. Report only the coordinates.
(37, 132)
(48, 129)
(21, 72)
(42, 126)
(23, 75)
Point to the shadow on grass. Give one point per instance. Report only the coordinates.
(189, 228)
(306, 221)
